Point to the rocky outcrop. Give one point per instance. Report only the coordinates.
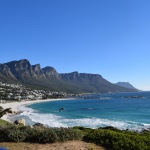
(38, 125)
(21, 69)
(50, 73)
(20, 122)
(5, 73)
(38, 73)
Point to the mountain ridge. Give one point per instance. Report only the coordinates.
(23, 72)
(126, 85)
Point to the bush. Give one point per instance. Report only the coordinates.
(4, 123)
(67, 134)
(118, 140)
(37, 135)
(3, 134)
(11, 134)
(16, 135)
(110, 138)
(41, 136)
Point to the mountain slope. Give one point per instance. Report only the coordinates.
(33, 75)
(125, 84)
(91, 82)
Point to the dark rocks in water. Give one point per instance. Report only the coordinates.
(133, 97)
(38, 125)
(108, 128)
(10, 111)
(145, 130)
(61, 109)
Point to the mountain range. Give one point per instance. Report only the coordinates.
(48, 78)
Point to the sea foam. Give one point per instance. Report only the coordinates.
(52, 120)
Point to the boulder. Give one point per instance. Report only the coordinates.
(20, 122)
(61, 109)
(38, 125)
(108, 128)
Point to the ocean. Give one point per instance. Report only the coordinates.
(121, 110)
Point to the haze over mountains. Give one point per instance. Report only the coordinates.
(126, 85)
(48, 78)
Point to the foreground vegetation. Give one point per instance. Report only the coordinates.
(109, 138)
(38, 134)
(116, 139)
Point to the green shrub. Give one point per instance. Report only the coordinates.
(16, 135)
(11, 134)
(4, 123)
(38, 135)
(66, 134)
(42, 136)
(3, 134)
(118, 140)
(112, 139)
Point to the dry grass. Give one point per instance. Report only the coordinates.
(70, 145)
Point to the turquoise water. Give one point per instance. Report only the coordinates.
(121, 110)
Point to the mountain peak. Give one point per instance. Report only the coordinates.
(48, 68)
(125, 84)
(36, 66)
(23, 60)
(50, 72)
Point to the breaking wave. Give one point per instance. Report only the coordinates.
(52, 120)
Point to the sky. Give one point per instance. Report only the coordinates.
(106, 37)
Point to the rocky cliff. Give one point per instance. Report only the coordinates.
(33, 75)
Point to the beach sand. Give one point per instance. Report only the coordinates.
(15, 106)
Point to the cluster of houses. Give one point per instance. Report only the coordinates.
(20, 92)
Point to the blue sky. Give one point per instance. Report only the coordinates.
(108, 37)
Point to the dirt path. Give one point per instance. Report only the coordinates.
(71, 145)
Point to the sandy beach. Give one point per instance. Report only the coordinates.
(15, 106)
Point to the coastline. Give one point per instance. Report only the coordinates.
(105, 111)
(15, 106)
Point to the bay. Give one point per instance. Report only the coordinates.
(121, 110)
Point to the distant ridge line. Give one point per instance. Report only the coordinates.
(23, 72)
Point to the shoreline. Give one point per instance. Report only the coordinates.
(22, 110)
(15, 106)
